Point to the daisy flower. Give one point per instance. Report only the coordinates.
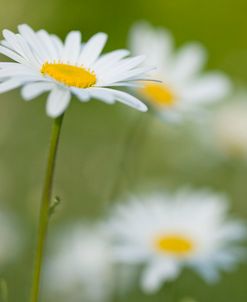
(165, 233)
(183, 87)
(44, 63)
(230, 128)
(82, 262)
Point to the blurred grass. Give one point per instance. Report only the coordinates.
(94, 134)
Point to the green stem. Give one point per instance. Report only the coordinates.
(45, 207)
(132, 143)
(124, 156)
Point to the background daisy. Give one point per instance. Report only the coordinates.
(44, 63)
(165, 233)
(184, 87)
(80, 266)
(229, 127)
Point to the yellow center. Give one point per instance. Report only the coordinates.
(159, 94)
(69, 75)
(174, 244)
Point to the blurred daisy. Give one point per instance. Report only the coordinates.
(9, 238)
(43, 63)
(165, 233)
(184, 87)
(230, 128)
(82, 264)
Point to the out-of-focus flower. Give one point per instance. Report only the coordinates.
(44, 63)
(9, 238)
(81, 267)
(184, 87)
(165, 233)
(230, 129)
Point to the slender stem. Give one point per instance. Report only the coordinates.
(131, 145)
(121, 165)
(45, 207)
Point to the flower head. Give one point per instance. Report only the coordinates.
(183, 87)
(166, 233)
(44, 63)
(82, 263)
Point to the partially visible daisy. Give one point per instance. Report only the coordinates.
(184, 87)
(44, 63)
(230, 128)
(165, 233)
(9, 238)
(81, 265)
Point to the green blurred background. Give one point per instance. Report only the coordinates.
(159, 157)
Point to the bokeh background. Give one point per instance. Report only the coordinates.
(159, 156)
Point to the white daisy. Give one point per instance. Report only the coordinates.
(230, 128)
(82, 262)
(184, 88)
(43, 63)
(165, 233)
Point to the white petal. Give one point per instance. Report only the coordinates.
(125, 84)
(12, 55)
(109, 59)
(155, 43)
(209, 88)
(34, 42)
(101, 94)
(49, 44)
(9, 64)
(5, 43)
(29, 54)
(158, 272)
(58, 101)
(9, 85)
(188, 62)
(82, 94)
(16, 71)
(124, 66)
(130, 255)
(29, 78)
(135, 74)
(208, 272)
(11, 38)
(31, 91)
(127, 99)
(92, 49)
(58, 44)
(72, 47)
(19, 45)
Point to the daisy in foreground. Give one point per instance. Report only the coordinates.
(44, 63)
(165, 233)
(184, 87)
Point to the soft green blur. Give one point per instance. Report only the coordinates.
(94, 134)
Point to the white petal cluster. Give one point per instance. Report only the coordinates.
(30, 50)
(81, 264)
(199, 216)
(180, 71)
